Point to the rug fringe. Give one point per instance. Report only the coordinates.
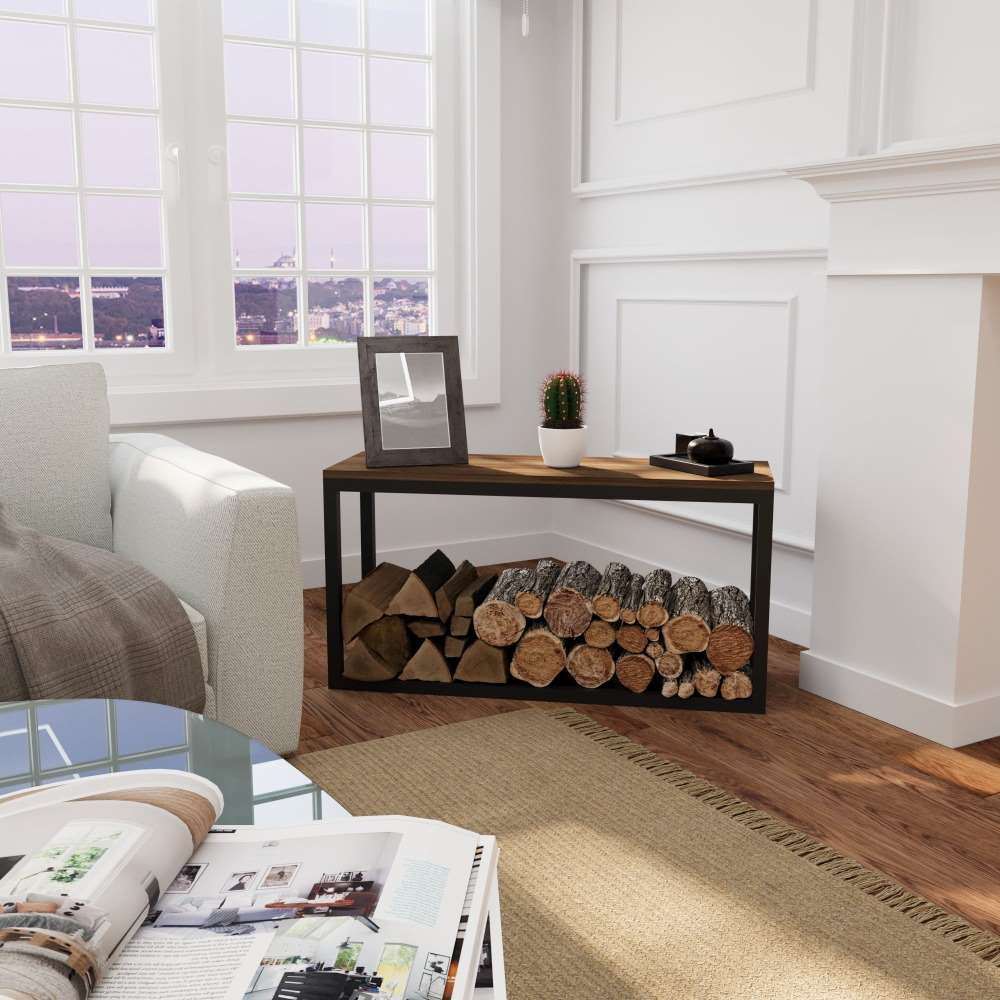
(873, 883)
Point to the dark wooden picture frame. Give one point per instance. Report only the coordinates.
(377, 455)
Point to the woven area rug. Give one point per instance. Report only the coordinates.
(624, 877)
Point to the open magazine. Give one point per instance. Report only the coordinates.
(120, 887)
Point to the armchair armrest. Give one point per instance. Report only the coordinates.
(225, 540)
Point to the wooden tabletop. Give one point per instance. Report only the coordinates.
(527, 475)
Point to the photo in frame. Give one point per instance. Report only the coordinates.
(411, 401)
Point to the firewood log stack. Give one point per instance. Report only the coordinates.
(570, 623)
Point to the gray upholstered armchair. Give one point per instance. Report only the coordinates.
(224, 539)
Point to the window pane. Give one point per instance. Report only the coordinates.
(331, 87)
(140, 726)
(267, 311)
(336, 310)
(34, 61)
(398, 25)
(264, 234)
(259, 81)
(400, 237)
(128, 312)
(330, 22)
(400, 307)
(335, 236)
(258, 18)
(14, 758)
(262, 158)
(123, 231)
(72, 733)
(120, 150)
(34, 6)
(400, 165)
(169, 761)
(40, 229)
(115, 67)
(275, 776)
(334, 162)
(36, 146)
(397, 92)
(285, 812)
(123, 11)
(84, 772)
(44, 314)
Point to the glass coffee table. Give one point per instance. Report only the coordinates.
(46, 741)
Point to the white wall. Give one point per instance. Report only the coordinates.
(535, 294)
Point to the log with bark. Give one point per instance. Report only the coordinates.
(688, 627)
(669, 664)
(633, 598)
(539, 657)
(635, 671)
(731, 643)
(568, 611)
(738, 684)
(632, 638)
(685, 683)
(446, 595)
(497, 621)
(379, 651)
(482, 663)
(416, 596)
(705, 677)
(652, 611)
(454, 646)
(612, 591)
(368, 599)
(460, 625)
(424, 628)
(600, 634)
(590, 666)
(530, 601)
(474, 595)
(427, 664)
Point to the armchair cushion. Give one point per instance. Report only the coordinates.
(54, 450)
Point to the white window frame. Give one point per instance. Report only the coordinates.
(205, 376)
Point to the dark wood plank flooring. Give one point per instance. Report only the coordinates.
(926, 815)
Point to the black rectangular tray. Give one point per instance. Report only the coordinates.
(679, 460)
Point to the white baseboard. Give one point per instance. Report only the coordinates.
(952, 724)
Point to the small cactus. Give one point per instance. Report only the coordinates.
(562, 400)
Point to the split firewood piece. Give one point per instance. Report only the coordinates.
(482, 663)
(612, 591)
(496, 620)
(669, 688)
(600, 634)
(705, 677)
(590, 666)
(368, 599)
(669, 664)
(531, 600)
(568, 610)
(540, 656)
(654, 650)
(460, 625)
(633, 598)
(731, 643)
(416, 596)
(688, 628)
(632, 638)
(474, 595)
(454, 646)
(379, 652)
(685, 683)
(635, 671)
(427, 664)
(653, 612)
(446, 595)
(738, 684)
(424, 628)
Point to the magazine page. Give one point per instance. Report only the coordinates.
(362, 907)
(491, 974)
(83, 862)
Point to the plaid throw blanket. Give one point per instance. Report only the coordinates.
(79, 622)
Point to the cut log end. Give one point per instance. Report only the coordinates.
(482, 663)
(600, 634)
(687, 633)
(729, 647)
(539, 658)
(361, 664)
(669, 688)
(427, 664)
(685, 684)
(498, 623)
(706, 679)
(651, 615)
(567, 613)
(737, 685)
(632, 638)
(590, 666)
(635, 671)
(670, 665)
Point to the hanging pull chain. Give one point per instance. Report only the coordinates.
(525, 22)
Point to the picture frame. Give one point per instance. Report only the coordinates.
(279, 876)
(239, 882)
(412, 407)
(186, 878)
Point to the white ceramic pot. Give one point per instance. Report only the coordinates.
(562, 448)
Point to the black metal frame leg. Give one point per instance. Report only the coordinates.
(760, 595)
(368, 557)
(334, 581)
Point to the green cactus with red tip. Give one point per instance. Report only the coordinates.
(562, 400)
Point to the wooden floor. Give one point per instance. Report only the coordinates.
(926, 815)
